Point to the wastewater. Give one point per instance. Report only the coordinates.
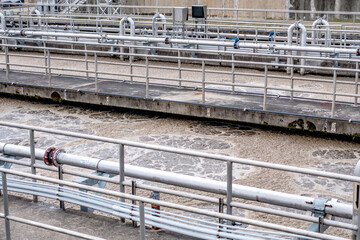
(225, 138)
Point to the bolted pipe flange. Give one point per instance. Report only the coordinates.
(50, 156)
(22, 33)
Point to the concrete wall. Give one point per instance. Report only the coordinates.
(314, 5)
(257, 4)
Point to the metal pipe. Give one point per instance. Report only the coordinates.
(3, 21)
(158, 16)
(245, 192)
(276, 47)
(302, 30)
(315, 34)
(38, 14)
(123, 21)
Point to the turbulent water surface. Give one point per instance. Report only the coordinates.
(206, 136)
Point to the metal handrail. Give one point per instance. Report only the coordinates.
(157, 202)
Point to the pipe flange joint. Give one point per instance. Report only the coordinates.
(358, 52)
(48, 156)
(167, 40)
(22, 33)
(236, 46)
(55, 155)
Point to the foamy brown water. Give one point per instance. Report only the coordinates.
(207, 136)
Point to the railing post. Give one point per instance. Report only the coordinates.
(292, 83)
(147, 77)
(122, 172)
(32, 153)
(96, 72)
(179, 67)
(7, 59)
(142, 220)
(334, 95)
(45, 59)
(60, 175)
(131, 59)
(49, 67)
(229, 187)
(203, 82)
(86, 62)
(265, 87)
(356, 82)
(233, 72)
(356, 204)
(6, 206)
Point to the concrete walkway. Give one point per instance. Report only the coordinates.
(242, 107)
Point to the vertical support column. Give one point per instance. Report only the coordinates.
(229, 187)
(179, 67)
(265, 87)
(142, 220)
(7, 59)
(60, 176)
(122, 173)
(96, 72)
(356, 82)
(32, 153)
(221, 209)
(133, 202)
(6, 206)
(203, 82)
(86, 62)
(147, 77)
(334, 95)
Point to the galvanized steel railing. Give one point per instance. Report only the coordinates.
(228, 56)
(231, 189)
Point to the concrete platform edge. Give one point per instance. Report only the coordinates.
(282, 120)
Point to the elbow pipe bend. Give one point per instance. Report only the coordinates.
(37, 13)
(122, 26)
(157, 16)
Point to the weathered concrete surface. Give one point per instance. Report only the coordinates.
(88, 223)
(300, 114)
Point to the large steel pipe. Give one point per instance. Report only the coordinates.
(183, 41)
(249, 193)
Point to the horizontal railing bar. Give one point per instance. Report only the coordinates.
(190, 153)
(53, 228)
(176, 206)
